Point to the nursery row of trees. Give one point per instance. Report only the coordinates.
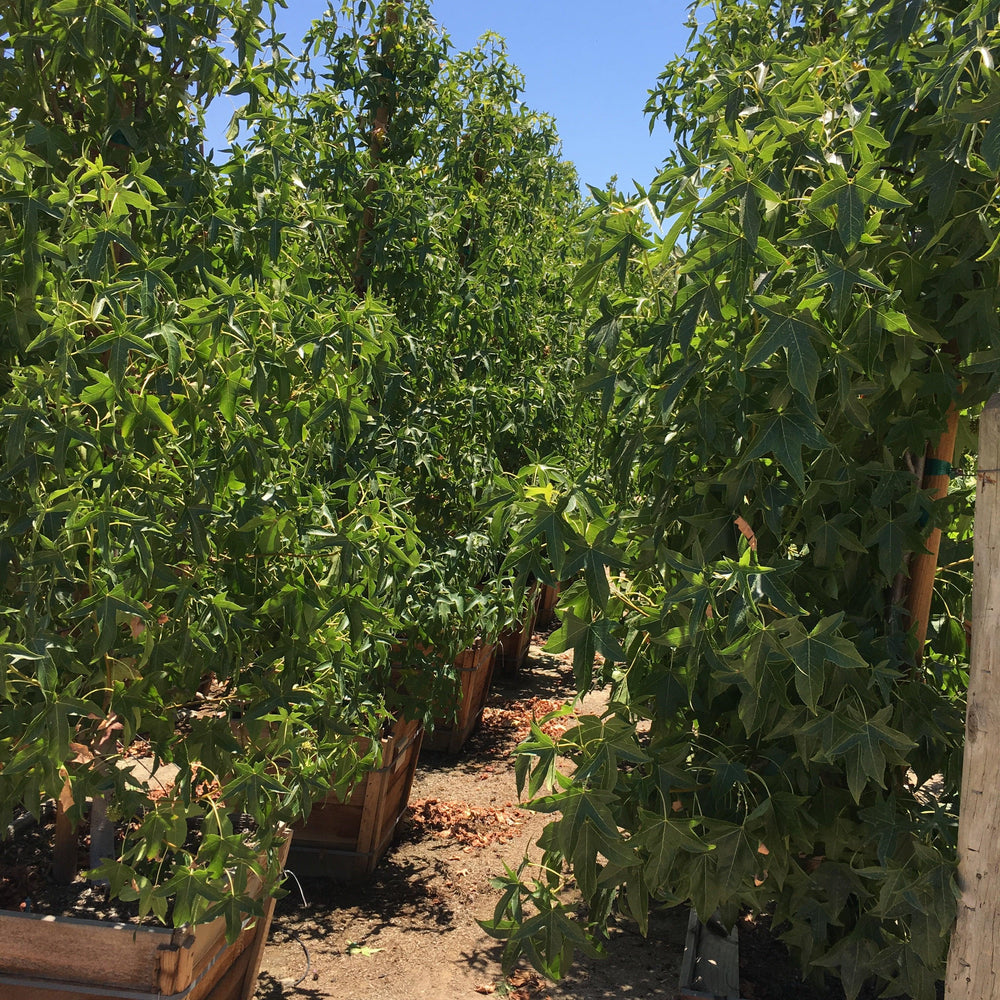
(264, 419)
(250, 408)
(785, 404)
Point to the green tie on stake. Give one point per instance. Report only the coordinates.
(923, 565)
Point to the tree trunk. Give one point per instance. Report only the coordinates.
(102, 829)
(64, 865)
(974, 960)
(376, 143)
(102, 833)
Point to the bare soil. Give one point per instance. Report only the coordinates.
(409, 931)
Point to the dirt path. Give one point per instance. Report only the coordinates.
(409, 932)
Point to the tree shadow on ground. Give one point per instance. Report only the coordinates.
(399, 894)
(269, 988)
(647, 967)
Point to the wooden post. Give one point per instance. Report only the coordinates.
(64, 861)
(974, 959)
(923, 565)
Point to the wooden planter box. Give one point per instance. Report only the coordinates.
(62, 958)
(515, 642)
(475, 667)
(346, 839)
(547, 600)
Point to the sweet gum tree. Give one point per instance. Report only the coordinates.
(832, 209)
(238, 401)
(421, 183)
(169, 403)
(446, 199)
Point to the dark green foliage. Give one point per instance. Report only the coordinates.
(834, 216)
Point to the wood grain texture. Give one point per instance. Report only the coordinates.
(475, 666)
(344, 839)
(548, 598)
(514, 643)
(89, 957)
(710, 968)
(923, 565)
(974, 959)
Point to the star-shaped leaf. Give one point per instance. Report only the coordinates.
(864, 750)
(794, 336)
(784, 435)
(810, 654)
(852, 957)
(663, 839)
(842, 277)
(851, 206)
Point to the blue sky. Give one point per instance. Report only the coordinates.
(589, 63)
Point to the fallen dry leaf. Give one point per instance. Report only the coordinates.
(514, 718)
(526, 985)
(470, 826)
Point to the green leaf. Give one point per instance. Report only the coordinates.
(662, 839)
(192, 892)
(70, 8)
(704, 885)
(550, 525)
(810, 653)
(112, 12)
(550, 939)
(98, 254)
(852, 957)
(827, 194)
(149, 406)
(864, 748)
(784, 435)
(227, 398)
(842, 278)
(991, 145)
(794, 336)
(850, 215)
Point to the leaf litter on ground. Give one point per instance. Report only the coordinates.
(472, 826)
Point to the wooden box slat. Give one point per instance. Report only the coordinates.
(64, 958)
(345, 840)
(710, 967)
(475, 666)
(548, 598)
(81, 951)
(515, 642)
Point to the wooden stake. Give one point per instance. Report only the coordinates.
(974, 959)
(102, 829)
(64, 865)
(923, 565)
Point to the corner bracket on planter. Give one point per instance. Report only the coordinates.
(710, 968)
